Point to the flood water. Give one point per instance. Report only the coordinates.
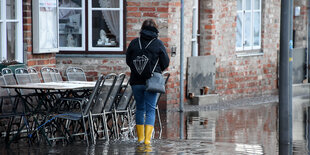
(245, 129)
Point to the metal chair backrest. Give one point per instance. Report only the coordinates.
(125, 99)
(9, 79)
(57, 75)
(34, 75)
(8, 76)
(46, 75)
(3, 91)
(23, 77)
(75, 74)
(114, 92)
(104, 93)
(95, 94)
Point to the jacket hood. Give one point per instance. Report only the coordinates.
(149, 33)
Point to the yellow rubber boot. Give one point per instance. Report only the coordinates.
(148, 134)
(140, 133)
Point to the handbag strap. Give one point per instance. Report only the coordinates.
(146, 45)
(145, 48)
(155, 66)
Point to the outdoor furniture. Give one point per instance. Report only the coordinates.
(99, 116)
(46, 74)
(79, 117)
(124, 119)
(34, 75)
(42, 89)
(75, 74)
(22, 77)
(12, 113)
(56, 76)
(9, 79)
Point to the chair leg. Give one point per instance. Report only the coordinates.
(104, 121)
(159, 121)
(116, 128)
(92, 131)
(85, 131)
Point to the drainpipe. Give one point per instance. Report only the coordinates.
(285, 81)
(182, 58)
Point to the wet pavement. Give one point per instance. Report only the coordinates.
(247, 126)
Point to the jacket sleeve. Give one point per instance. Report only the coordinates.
(163, 57)
(129, 53)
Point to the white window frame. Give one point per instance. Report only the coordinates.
(83, 29)
(243, 11)
(121, 42)
(19, 56)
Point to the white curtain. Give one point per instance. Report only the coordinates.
(111, 17)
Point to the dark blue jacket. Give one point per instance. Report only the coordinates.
(157, 50)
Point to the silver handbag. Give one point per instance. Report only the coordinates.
(156, 83)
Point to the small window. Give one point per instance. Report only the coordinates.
(11, 30)
(248, 31)
(94, 26)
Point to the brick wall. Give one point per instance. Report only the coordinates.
(238, 77)
(167, 15)
(35, 60)
(300, 25)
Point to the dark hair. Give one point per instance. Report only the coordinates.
(149, 23)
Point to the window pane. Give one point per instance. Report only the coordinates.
(48, 29)
(239, 30)
(105, 28)
(256, 4)
(247, 30)
(256, 30)
(0, 11)
(1, 42)
(105, 3)
(239, 4)
(11, 41)
(248, 4)
(70, 3)
(10, 9)
(70, 28)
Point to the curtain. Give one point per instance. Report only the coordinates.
(111, 17)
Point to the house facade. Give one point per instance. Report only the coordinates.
(243, 35)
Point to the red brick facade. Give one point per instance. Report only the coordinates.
(236, 77)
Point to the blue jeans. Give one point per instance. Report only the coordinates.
(145, 105)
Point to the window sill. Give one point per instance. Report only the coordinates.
(249, 53)
(91, 55)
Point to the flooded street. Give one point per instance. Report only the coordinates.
(238, 129)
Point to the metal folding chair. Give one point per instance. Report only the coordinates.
(11, 110)
(34, 75)
(75, 74)
(46, 74)
(68, 129)
(9, 79)
(56, 74)
(101, 115)
(123, 113)
(166, 77)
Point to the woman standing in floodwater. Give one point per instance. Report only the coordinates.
(141, 56)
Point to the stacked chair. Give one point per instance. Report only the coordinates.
(107, 112)
(95, 110)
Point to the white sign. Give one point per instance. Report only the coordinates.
(48, 3)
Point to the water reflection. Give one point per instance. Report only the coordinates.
(301, 117)
(243, 130)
